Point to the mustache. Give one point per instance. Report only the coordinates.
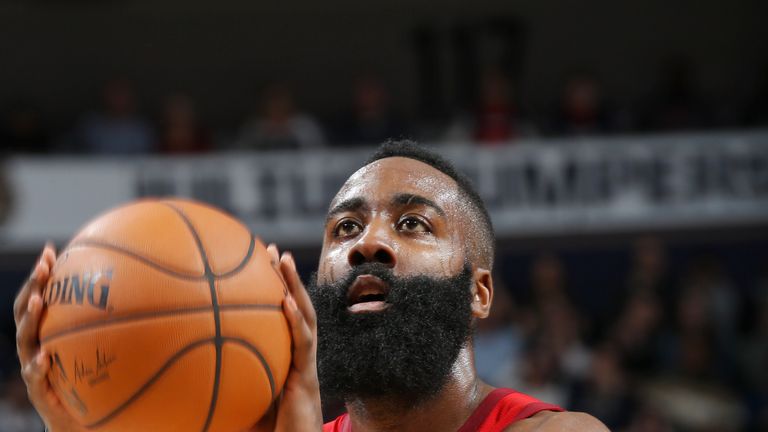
(341, 287)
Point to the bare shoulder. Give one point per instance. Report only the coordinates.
(549, 421)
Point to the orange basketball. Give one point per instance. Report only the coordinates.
(166, 316)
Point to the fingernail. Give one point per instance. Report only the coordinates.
(291, 302)
(293, 262)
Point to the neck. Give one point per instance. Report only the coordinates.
(447, 410)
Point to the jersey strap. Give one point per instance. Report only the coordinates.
(501, 408)
(339, 424)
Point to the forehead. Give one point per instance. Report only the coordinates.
(384, 178)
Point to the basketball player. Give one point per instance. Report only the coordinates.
(404, 273)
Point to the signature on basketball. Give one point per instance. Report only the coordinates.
(94, 373)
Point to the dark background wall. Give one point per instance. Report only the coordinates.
(58, 53)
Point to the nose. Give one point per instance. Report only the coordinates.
(372, 247)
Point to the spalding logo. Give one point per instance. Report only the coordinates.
(80, 289)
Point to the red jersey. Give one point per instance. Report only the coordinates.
(499, 409)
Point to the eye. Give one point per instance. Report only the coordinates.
(413, 224)
(347, 228)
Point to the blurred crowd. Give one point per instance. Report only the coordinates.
(124, 124)
(669, 349)
(665, 344)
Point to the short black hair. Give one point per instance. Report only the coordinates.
(484, 241)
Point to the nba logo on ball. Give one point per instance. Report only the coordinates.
(166, 316)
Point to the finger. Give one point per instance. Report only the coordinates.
(22, 298)
(274, 254)
(43, 396)
(43, 273)
(39, 389)
(49, 254)
(49, 260)
(35, 373)
(27, 342)
(296, 288)
(302, 336)
(274, 259)
(37, 279)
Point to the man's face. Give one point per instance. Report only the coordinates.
(393, 289)
(398, 209)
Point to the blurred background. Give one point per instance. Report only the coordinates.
(622, 149)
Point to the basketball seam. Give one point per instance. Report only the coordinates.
(261, 358)
(104, 245)
(193, 277)
(216, 315)
(155, 314)
(173, 359)
(243, 263)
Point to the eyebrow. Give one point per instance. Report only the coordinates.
(402, 199)
(405, 199)
(348, 205)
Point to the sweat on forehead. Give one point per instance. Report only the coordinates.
(402, 176)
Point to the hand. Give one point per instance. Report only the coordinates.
(298, 407)
(35, 362)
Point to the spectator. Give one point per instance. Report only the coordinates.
(180, 129)
(494, 118)
(119, 129)
(694, 406)
(649, 268)
(555, 353)
(754, 358)
(371, 119)
(562, 327)
(548, 281)
(648, 419)
(721, 302)
(606, 391)
(645, 305)
(582, 110)
(281, 126)
(539, 375)
(496, 115)
(637, 333)
(696, 348)
(692, 351)
(498, 340)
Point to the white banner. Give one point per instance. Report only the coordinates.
(531, 188)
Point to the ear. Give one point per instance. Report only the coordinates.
(482, 293)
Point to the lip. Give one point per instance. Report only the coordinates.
(366, 285)
(371, 306)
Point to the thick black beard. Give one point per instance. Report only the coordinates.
(404, 352)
